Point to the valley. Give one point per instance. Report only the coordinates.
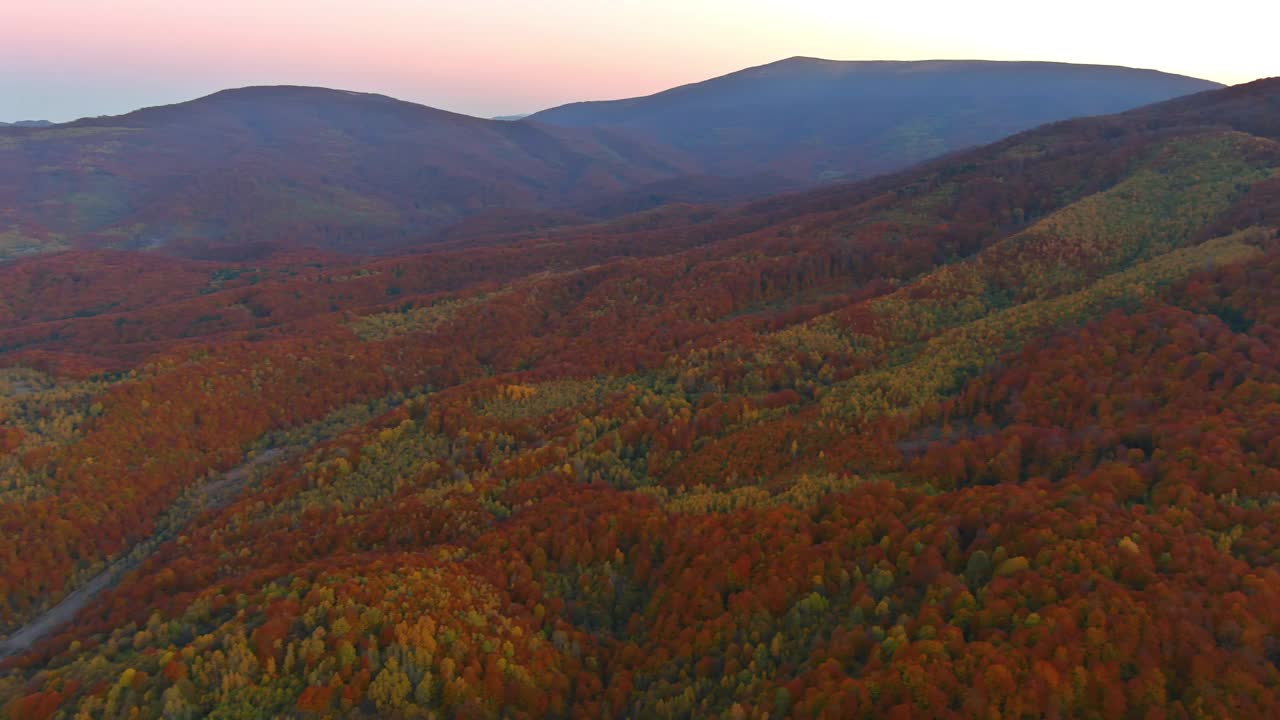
(993, 434)
(208, 496)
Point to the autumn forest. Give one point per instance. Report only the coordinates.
(993, 436)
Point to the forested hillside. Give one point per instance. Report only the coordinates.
(995, 436)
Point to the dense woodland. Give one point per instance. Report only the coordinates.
(998, 436)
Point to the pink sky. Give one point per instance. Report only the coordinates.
(61, 59)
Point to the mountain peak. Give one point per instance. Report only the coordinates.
(284, 104)
(942, 65)
(291, 92)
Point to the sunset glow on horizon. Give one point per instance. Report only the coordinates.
(63, 59)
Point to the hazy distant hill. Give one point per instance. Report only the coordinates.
(361, 172)
(27, 123)
(328, 167)
(815, 120)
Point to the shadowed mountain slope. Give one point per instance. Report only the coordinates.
(335, 169)
(815, 120)
(357, 172)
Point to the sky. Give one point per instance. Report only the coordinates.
(64, 59)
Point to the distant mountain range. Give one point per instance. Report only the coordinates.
(27, 123)
(361, 172)
(328, 167)
(815, 120)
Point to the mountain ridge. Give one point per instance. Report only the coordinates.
(856, 65)
(860, 118)
(358, 171)
(367, 173)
